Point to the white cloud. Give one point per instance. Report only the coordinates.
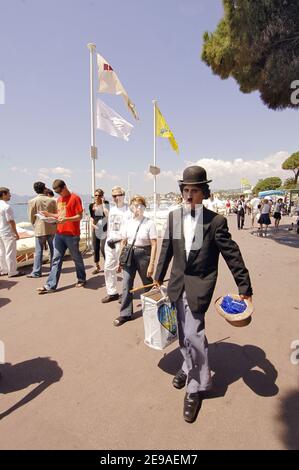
(17, 169)
(62, 171)
(228, 173)
(175, 175)
(56, 171)
(148, 176)
(43, 176)
(103, 174)
(45, 172)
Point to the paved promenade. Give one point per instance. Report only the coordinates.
(73, 381)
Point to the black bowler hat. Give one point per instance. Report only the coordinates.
(194, 175)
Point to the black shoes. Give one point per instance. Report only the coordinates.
(110, 298)
(192, 405)
(121, 320)
(179, 380)
(192, 401)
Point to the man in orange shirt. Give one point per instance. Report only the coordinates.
(69, 214)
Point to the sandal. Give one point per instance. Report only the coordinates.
(121, 320)
(81, 284)
(96, 271)
(44, 290)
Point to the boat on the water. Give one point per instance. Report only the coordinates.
(26, 243)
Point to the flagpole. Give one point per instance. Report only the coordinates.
(93, 148)
(129, 188)
(155, 161)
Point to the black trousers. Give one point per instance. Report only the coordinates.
(98, 245)
(241, 218)
(140, 261)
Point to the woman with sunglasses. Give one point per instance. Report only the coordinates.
(98, 211)
(139, 233)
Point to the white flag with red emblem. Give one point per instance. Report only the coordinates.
(110, 83)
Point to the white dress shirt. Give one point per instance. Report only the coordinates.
(189, 229)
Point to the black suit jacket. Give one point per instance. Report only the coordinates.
(198, 274)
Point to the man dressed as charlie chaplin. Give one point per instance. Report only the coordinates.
(194, 238)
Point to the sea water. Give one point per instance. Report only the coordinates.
(21, 211)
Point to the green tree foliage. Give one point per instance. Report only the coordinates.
(257, 43)
(289, 183)
(292, 163)
(268, 183)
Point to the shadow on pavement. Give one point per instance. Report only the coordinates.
(4, 301)
(95, 282)
(289, 416)
(137, 314)
(5, 284)
(41, 370)
(231, 362)
(72, 269)
(281, 235)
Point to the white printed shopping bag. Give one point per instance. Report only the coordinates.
(159, 319)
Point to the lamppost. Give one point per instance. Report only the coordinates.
(130, 173)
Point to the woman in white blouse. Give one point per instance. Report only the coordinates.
(264, 217)
(144, 249)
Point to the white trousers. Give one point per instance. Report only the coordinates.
(111, 263)
(8, 255)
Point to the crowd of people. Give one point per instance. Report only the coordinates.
(127, 241)
(260, 211)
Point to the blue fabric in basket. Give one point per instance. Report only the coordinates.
(232, 306)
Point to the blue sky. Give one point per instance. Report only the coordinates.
(154, 46)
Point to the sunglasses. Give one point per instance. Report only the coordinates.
(98, 195)
(117, 195)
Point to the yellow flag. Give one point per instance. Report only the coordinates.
(162, 130)
(245, 182)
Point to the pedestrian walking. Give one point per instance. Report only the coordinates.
(194, 238)
(69, 213)
(44, 232)
(99, 211)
